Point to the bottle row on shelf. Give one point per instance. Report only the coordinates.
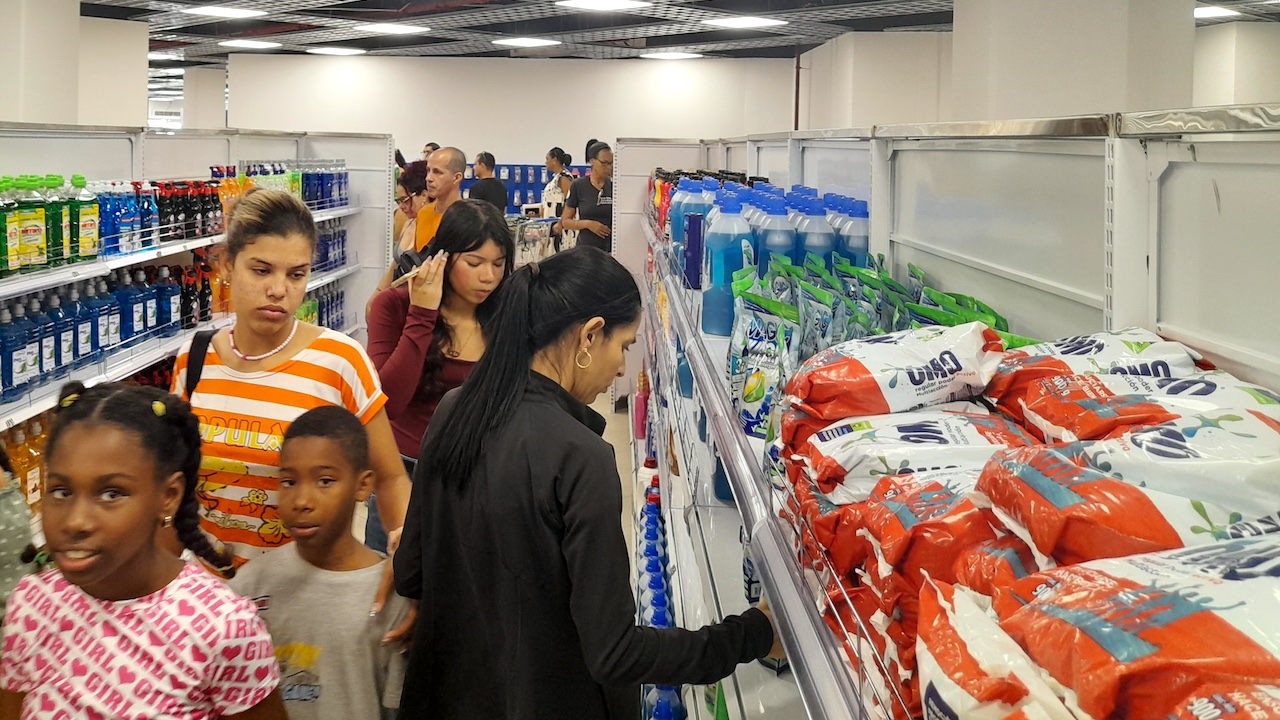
(326, 307)
(321, 184)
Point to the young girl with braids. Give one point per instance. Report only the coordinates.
(122, 628)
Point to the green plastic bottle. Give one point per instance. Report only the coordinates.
(55, 217)
(34, 247)
(5, 187)
(12, 232)
(85, 216)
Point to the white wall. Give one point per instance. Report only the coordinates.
(515, 108)
(1237, 63)
(38, 51)
(113, 72)
(862, 79)
(1038, 58)
(205, 98)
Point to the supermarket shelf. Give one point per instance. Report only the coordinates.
(328, 277)
(34, 282)
(825, 685)
(116, 367)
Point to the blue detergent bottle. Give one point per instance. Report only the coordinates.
(855, 242)
(834, 205)
(168, 303)
(151, 310)
(777, 237)
(659, 604)
(47, 331)
(657, 587)
(64, 328)
(710, 186)
(133, 322)
(30, 366)
(13, 359)
(725, 244)
(678, 209)
(794, 201)
(86, 323)
(654, 551)
(668, 698)
(814, 233)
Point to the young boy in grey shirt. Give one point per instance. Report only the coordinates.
(314, 594)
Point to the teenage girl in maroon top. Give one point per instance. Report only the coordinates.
(426, 336)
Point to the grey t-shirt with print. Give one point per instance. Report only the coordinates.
(332, 661)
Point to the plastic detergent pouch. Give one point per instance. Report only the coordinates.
(897, 372)
(915, 282)
(1130, 638)
(926, 316)
(1089, 407)
(1132, 351)
(772, 329)
(944, 301)
(849, 457)
(970, 669)
(817, 310)
(1229, 458)
(783, 281)
(978, 306)
(1015, 342)
(924, 521)
(995, 563)
(1067, 511)
(1229, 701)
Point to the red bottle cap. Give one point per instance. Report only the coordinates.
(651, 463)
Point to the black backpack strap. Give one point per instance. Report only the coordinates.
(195, 360)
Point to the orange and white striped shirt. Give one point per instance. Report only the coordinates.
(243, 419)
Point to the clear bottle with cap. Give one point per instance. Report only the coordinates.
(13, 359)
(150, 300)
(133, 320)
(814, 233)
(31, 354)
(64, 330)
(10, 237)
(84, 212)
(168, 303)
(34, 249)
(26, 466)
(46, 328)
(111, 309)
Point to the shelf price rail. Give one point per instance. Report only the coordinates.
(824, 676)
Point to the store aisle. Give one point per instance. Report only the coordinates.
(618, 434)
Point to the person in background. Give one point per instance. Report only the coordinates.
(553, 195)
(445, 170)
(589, 207)
(426, 336)
(86, 640)
(489, 188)
(400, 161)
(341, 667)
(411, 198)
(428, 149)
(513, 545)
(250, 381)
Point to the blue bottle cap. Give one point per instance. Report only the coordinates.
(776, 206)
(652, 566)
(661, 619)
(662, 709)
(710, 184)
(832, 201)
(731, 205)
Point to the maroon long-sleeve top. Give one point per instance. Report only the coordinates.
(400, 336)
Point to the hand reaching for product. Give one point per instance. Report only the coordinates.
(777, 652)
(426, 288)
(597, 228)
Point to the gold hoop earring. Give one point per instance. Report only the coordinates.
(578, 362)
(167, 522)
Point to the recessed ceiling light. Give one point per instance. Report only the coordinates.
(526, 42)
(742, 22)
(250, 44)
(1212, 11)
(671, 56)
(392, 29)
(603, 5)
(223, 12)
(335, 51)
(162, 56)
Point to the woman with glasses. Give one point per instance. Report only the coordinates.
(411, 197)
(589, 207)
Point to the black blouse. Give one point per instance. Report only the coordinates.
(526, 609)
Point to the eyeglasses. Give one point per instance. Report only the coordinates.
(404, 200)
(605, 162)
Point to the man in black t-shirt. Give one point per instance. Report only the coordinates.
(489, 188)
(589, 207)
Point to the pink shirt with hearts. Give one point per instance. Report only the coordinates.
(193, 650)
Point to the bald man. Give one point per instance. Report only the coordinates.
(445, 169)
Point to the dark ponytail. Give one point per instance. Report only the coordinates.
(166, 427)
(560, 156)
(536, 308)
(587, 152)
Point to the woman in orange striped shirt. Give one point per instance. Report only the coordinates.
(268, 369)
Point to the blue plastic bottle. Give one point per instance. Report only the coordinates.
(133, 321)
(133, 215)
(109, 310)
(804, 190)
(776, 237)
(684, 374)
(149, 215)
(657, 587)
(108, 223)
(714, 213)
(64, 328)
(30, 366)
(676, 212)
(834, 205)
(793, 208)
(693, 248)
(654, 551)
(720, 479)
(86, 326)
(814, 233)
(723, 256)
(151, 310)
(13, 359)
(47, 332)
(663, 702)
(659, 604)
(168, 303)
(854, 241)
(710, 186)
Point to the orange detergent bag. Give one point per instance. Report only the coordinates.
(994, 563)
(1229, 701)
(896, 372)
(1131, 637)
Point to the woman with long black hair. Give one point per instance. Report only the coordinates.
(426, 336)
(514, 548)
